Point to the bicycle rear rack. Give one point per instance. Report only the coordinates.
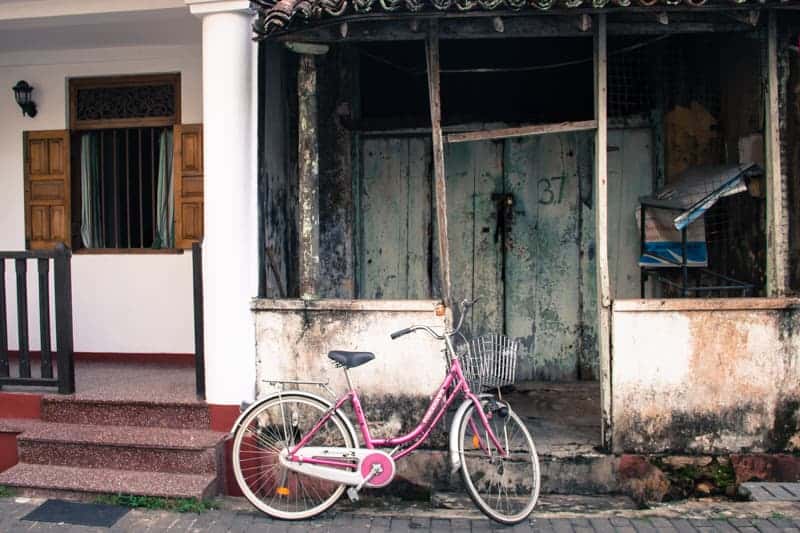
(282, 383)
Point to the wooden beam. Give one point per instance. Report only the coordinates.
(601, 224)
(382, 28)
(521, 131)
(308, 175)
(777, 225)
(434, 96)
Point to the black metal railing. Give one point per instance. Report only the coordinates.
(64, 377)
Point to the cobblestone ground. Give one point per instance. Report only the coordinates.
(219, 521)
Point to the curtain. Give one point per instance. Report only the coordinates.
(91, 230)
(165, 221)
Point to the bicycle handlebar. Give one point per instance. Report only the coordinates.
(400, 333)
(465, 305)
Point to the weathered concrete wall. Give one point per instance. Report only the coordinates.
(293, 339)
(706, 376)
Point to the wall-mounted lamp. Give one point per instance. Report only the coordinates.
(22, 94)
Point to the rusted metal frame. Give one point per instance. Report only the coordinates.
(115, 187)
(601, 225)
(141, 191)
(128, 184)
(153, 181)
(777, 226)
(440, 186)
(521, 131)
(308, 175)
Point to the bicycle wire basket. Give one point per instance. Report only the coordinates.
(490, 362)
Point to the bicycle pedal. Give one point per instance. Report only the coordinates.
(352, 493)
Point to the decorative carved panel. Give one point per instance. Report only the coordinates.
(126, 101)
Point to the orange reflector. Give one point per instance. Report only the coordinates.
(440, 310)
(282, 491)
(476, 443)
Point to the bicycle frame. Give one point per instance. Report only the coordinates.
(454, 381)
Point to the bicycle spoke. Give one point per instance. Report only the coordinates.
(505, 487)
(277, 426)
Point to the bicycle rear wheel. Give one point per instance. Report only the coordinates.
(278, 424)
(504, 488)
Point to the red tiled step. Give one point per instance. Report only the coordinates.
(174, 415)
(104, 480)
(130, 448)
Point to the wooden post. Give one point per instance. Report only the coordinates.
(434, 96)
(21, 268)
(777, 226)
(62, 277)
(308, 173)
(601, 225)
(4, 366)
(199, 333)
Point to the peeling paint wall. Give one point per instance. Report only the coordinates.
(278, 171)
(706, 376)
(789, 73)
(293, 339)
(337, 94)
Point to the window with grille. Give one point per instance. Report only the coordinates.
(122, 152)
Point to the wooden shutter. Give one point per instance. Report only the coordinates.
(188, 174)
(47, 188)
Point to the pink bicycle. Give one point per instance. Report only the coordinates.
(295, 453)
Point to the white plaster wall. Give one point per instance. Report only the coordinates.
(294, 344)
(708, 376)
(122, 303)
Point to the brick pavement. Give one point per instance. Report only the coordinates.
(223, 521)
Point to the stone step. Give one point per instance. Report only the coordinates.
(172, 415)
(31, 478)
(584, 473)
(181, 451)
(564, 470)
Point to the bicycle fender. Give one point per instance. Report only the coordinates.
(455, 460)
(304, 394)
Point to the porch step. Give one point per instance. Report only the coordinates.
(171, 415)
(181, 451)
(46, 478)
(578, 472)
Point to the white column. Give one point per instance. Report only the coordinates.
(230, 245)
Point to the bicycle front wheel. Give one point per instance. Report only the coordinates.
(278, 424)
(504, 488)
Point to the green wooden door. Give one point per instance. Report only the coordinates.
(521, 231)
(395, 214)
(544, 293)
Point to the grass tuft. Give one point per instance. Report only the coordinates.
(179, 505)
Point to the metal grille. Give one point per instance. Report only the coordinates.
(685, 73)
(490, 362)
(127, 185)
(630, 84)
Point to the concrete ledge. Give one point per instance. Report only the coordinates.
(705, 304)
(260, 304)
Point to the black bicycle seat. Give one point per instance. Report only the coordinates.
(351, 359)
